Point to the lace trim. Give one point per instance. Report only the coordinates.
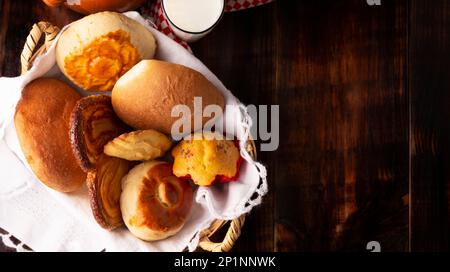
(10, 241)
(254, 198)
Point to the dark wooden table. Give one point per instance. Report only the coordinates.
(364, 95)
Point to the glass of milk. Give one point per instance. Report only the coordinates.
(190, 20)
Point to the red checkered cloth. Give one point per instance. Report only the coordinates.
(154, 14)
(234, 5)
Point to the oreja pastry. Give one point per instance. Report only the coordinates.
(145, 96)
(42, 124)
(205, 159)
(93, 123)
(140, 145)
(105, 186)
(155, 204)
(98, 49)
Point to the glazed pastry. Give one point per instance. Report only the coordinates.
(105, 186)
(205, 159)
(140, 145)
(155, 204)
(93, 124)
(95, 51)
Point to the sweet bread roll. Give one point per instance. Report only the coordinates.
(93, 6)
(155, 204)
(96, 50)
(145, 96)
(42, 124)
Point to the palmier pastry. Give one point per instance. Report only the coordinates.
(105, 186)
(93, 124)
(140, 145)
(206, 158)
(155, 204)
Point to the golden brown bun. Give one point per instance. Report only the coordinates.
(155, 204)
(96, 50)
(93, 6)
(144, 97)
(42, 125)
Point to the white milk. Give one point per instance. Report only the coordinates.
(193, 15)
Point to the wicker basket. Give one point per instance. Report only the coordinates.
(30, 52)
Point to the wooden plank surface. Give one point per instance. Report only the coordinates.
(343, 161)
(429, 85)
(363, 95)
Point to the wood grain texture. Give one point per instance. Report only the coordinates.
(343, 160)
(4, 23)
(429, 86)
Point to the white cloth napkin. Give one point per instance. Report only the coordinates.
(47, 220)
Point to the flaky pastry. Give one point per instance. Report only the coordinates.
(92, 124)
(139, 145)
(105, 186)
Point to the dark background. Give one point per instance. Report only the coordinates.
(364, 95)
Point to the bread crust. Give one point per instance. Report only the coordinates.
(155, 204)
(42, 123)
(145, 95)
(93, 6)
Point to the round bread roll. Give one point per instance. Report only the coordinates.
(154, 203)
(145, 96)
(97, 49)
(92, 6)
(42, 124)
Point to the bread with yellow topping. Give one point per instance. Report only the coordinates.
(96, 50)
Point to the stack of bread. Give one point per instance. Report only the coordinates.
(119, 143)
